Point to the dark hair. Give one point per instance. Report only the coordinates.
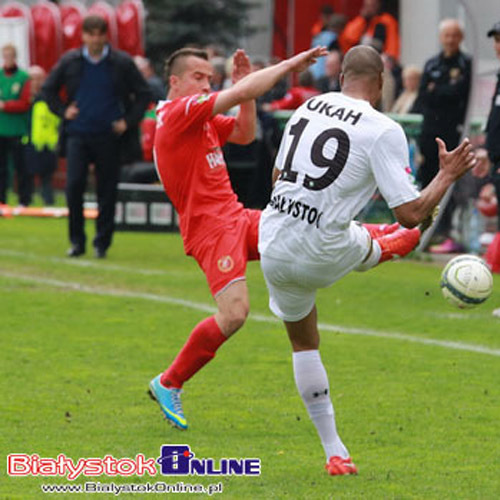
(172, 65)
(91, 23)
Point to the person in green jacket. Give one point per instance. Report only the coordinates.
(14, 106)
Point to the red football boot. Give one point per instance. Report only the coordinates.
(399, 243)
(338, 466)
(378, 230)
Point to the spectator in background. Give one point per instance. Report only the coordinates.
(219, 76)
(411, 80)
(372, 24)
(326, 13)
(442, 98)
(40, 143)
(260, 186)
(106, 99)
(329, 38)
(277, 91)
(295, 96)
(330, 82)
(155, 83)
(214, 50)
(490, 157)
(14, 106)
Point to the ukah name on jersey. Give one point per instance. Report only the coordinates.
(332, 111)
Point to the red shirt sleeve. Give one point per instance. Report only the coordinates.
(22, 104)
(224, 126)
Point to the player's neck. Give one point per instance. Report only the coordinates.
(172, 95)
(357, 93)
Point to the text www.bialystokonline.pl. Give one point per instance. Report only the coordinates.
(117, 489)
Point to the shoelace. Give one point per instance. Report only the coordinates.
(176, 401)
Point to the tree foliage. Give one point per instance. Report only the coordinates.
(172, 24)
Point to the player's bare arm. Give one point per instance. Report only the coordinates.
(255, 84)
(246, 119)
(452, 165)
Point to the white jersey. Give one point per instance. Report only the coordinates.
(335, 152)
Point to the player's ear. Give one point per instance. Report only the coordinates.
(173, 81)
(341, 80)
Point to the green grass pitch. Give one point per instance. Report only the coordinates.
(414, 382)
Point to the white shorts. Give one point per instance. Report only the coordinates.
(292, 285)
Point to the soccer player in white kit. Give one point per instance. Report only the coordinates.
(336, 150)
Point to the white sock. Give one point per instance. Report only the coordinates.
(312, 384)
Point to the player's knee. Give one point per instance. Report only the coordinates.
(235, 317)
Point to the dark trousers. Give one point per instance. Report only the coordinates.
(43, 164)
(103, 151)
(14, 146)
(430, 167)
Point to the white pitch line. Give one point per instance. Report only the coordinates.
(82, 262)
(199, 306)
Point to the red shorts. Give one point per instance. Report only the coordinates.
(223, 255)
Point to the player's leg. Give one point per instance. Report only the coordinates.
(292, 292)
(312, 383)
(76, 181)
(106, 151)
(223, 260)
(395, 244)
(4, 144)
(208, 335)
(200, 348)
(24, 177)
(378, 230)
(398, 244)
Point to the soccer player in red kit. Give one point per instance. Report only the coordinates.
(216, 229)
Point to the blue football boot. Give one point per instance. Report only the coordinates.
(169, 401)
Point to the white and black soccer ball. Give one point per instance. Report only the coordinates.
(466, 281)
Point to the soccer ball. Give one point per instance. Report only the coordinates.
(466, 281)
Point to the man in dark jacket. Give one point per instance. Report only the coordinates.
(442, 99)
(490, 157)
(493, 126)
(106, 97)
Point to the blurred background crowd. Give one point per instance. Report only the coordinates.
(439, 80)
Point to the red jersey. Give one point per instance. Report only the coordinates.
(191, 165)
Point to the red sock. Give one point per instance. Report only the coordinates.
(199, 349)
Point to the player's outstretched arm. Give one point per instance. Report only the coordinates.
(257, 83)
(452, 165)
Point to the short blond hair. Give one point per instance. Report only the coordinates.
(412, 71)
(10, 46)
